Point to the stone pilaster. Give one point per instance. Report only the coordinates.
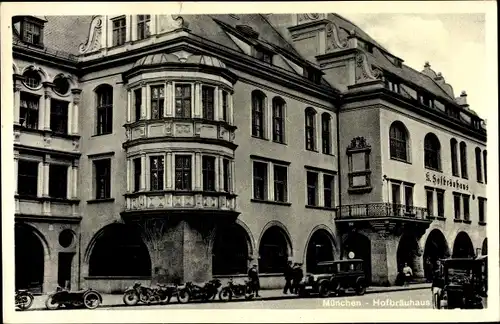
(383, 258)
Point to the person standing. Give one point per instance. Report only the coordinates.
(298, 274)
(437, 285)
(288, 278)
(253, 276)
(407, 274)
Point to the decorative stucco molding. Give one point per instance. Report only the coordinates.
(333, 41)
(94, 38)
(364, 72)
(306, 17)
(170, 22)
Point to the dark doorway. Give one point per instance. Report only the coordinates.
(436, 248)
(29, 260)
(230, 251)
(407, 252)
(320, 248)
(462, 247)
(64, 269)
(360, 245)
(273, 251)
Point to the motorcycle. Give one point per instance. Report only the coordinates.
(147, 295)
(24, 299)
(89, 298)
(192, 291)
(236, 290)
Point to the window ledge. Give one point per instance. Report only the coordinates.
(432, 169)
(400, 160)
(482, 223)
(51, 199)
(104, 200)
(467, 221)
(309, 150)
(441, 218)
(359, 190)
(118, 277)
(329, 154)
(271, 202)
(46, 132)
(321, 207)
(260, 138)
(278, 142)
(103, 134)
(457, 220)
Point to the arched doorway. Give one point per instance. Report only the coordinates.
(484, 247)
(360, 245)
(231, 251)
(319, 248)
(462, 247)
(274, 250)
(408, 252)
(29, 259)
(436, 247)
(119, 251)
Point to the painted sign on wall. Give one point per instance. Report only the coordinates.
(441, 180)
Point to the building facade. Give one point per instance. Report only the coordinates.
(161, 148)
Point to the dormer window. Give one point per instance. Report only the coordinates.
(452, 112)
(312, 75)
(393, 86)
(426, 101)
(32, 31)
(264, 56)
(143, 23)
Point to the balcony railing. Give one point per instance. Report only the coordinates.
(380, 210)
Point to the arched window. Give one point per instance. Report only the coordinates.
(432, 152)
(310, 129)
(463, 160)
(258, 113)
(104, 123)
(398, 141)
(479, 171)
(326, 133)
(119, 251)
(231, 251)
(485, 167)
(273, 250)
(278, 120)
(454, 157)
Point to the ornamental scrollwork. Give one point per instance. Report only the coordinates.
(94, 37)
(333, 41)
(358, 143)
(365, 72)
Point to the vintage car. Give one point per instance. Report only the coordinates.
(334, 277)
(464, 283)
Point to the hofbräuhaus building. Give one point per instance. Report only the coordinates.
(162, 148)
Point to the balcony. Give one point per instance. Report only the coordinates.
(383, 215)
(176, 202)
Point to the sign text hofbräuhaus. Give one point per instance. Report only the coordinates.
(441, 180)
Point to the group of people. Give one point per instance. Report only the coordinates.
(293, 276)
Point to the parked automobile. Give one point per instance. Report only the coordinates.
(464, 283)
(24, 299)
(88, 298)
(147, 295)
(334, 277)
(236, 290)
(204, 292)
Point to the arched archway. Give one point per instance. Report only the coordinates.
(274, 250)
(436, 247)
(231, 250)
(29, 259)
(408, 252)
(119, 251)
(320, 248)
(462, 247)
(360, 245)
(484, 247)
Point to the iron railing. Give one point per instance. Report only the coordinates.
(375, 210)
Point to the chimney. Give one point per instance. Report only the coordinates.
(462, 100)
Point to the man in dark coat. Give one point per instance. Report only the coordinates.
(437, 283)
(288, 278)
(253, 276)
(298, 274)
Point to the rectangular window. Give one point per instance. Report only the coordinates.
(456, 204)
(183, 172)
(280, 183)
(102, 178)
(208, 170)
(104, 111)
(157, 101)
(466, 200)
(143, 23)
(396, 198)
(278, 121)
(59, 116)
(260, 180)
(138, 103)
(27, 178)
(183, 100)
(207, 102)
(225, 106)
(408, 199)
(312, 188)
(137, 174)
(481, 206)
(28, 114)
(440, 203)
(227, 174)
(32, 33)
(430, 202)
(58, 181)
(119, 31)
(156, 170)
(328, 190)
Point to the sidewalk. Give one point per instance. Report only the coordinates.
(271, 294)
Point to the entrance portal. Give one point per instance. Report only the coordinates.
(360, 245)
(29, 259)
(320, 248)
(64, 269)
(462, 247)
(436, 248)
(230, 251)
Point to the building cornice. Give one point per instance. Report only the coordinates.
(166, 139)
(43, 151)
(42, 56)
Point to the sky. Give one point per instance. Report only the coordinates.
(453, 44)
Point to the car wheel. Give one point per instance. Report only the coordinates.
(91, 300)
(25, 301)
(324, 290)
(183, 296)
(131, 298)
(360, 289)
(51, 304)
